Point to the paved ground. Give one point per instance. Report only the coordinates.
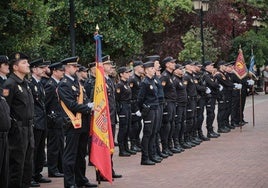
(235, 160)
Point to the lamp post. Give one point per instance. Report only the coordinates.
(202, 6)
(72, 30)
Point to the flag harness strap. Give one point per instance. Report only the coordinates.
(75, 119)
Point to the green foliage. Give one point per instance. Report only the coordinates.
(252, 40)
(24, 27)
(192, 45)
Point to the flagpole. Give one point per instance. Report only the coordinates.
(253, 93)
(240, 109)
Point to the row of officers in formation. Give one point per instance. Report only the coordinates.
(163, 100)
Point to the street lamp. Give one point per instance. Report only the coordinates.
(202, 6)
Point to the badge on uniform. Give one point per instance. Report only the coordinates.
(151, 87)
(74, 88)
(170, 80)
(163, 83)
(5, 92)
(180, 84)
(35, 88)
(117, 90)
(19, 87)
(155, 81)
(125, 87)
(131, 84)
(192, 80)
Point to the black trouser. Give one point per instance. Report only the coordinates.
(3, 160)
(124, 123)
(158, 125)
(201, 103)
(21, 147)
(228, 110)
(135, 128)
(55, 146)
(168, 126)
(39, 152)
(191, 115)
(221, 112)
(180, 120)
(74, 163)
(210, 107)
(148, 138)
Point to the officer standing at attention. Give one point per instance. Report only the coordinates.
(90, 81)
(170, 107)
(211, 97)
(55, 138)
(123, 97)
(181, 103)
(20, 137)
(77, 111)
(188, 80)
(5, 124)
(148, 103)
(136, 126)
(4, 69)
(82, 75)
(40, 122)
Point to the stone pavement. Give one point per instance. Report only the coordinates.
(238, 159)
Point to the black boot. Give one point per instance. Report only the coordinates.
(132, 152)
(122, 151)
(134, 146)
(201, 136)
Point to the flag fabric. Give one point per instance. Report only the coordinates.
(240, 68)
(102, 144)
(251, 66)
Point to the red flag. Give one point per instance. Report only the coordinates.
(102, 145)
(240, 68)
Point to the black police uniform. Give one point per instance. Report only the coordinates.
(55, 140)
(201, 103)
(228, 94)
(238, 100)
(180, 117)
(40, 127)
(169, 112)
(4, 128)
(136, 126)
(148, 103)
(188, 79)
(20, 137)
(123, 98)
(89, 85)
(76, 139)
(223, 101)
(211, 102)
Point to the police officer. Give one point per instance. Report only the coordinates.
(181, 103)
(90, 81)
(200, 103)
(169, 111)
(148, 103)
(77, 111)
(4, 126)
(4, 69)
(82, 75)
(47, 74)
(225, 84)
(20, 137)
(55, 138)
(211, 98)
(110, 88)
(40, 124)
(123, 98)
(136, 126)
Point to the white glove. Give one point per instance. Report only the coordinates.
(138, 113)
(250, 82)
(208, 91)
(90, 105)
(238, 86)
(221, 87)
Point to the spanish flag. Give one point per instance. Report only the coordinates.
(102, 145)
(240, 68)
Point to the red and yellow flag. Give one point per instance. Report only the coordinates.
(240, 68)
(102, 145)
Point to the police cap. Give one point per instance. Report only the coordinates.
(56, 66)
(206, 63)
(38, 63)
(188, 62)
(221, 63)
(106, 60)
(91, 65)
(148, 64)
(197, 63)
(153, 58)
(15, 57)
(137, 63)
(82, 69)
(123, 70)
(179, 66)
(71, 61)
(168, 59)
